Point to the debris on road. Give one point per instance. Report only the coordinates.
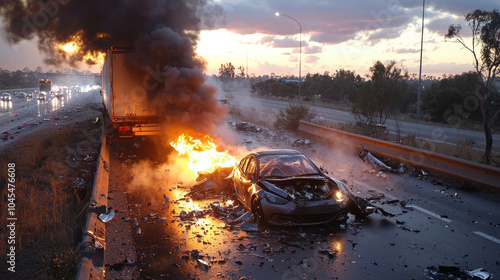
(329, 252)
(452, 272)
(210, 184)
(203, 263)
(368, 157)
(106, 217)
(362, 208)
(246, 126)
(298, 142)
(166, 201)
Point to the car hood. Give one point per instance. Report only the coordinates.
(313, 188)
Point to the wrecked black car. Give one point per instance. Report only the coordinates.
(284, 187)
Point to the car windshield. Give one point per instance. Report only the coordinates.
(280, 166)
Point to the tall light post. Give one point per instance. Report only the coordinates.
(420, 72)
(300, 47)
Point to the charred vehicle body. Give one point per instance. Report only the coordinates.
(284, 187)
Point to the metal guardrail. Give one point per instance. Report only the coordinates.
(464, 169)
(94, 236)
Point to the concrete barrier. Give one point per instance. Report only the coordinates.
(101, 180)
(86, 270)
(93, 242)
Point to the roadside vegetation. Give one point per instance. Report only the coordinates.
(470, 100)
(53, 172)
(290, 117)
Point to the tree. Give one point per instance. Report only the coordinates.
(448, 100)
(226, 71)
(378, 97)
(345, 83)
(485, 48)
(242, 72)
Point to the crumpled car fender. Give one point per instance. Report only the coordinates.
(275, 190)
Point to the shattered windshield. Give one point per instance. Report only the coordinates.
(280, 166)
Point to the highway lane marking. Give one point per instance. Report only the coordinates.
(391, 197)
(430, 213)
(489, 237)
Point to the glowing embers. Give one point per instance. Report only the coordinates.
(203, 155)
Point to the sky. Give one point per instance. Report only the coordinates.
(350, 35)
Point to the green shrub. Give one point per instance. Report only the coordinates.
(290, 117)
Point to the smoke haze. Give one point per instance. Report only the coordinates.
(163, 34)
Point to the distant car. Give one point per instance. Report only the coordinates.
(5, 96)
(223, 100)
(29, 94)
(41, 96)
(284, 187)
(21, 95)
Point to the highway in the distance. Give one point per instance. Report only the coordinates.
(20, 115)
(423, 131)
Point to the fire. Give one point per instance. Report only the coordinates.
(72, 47)
(96, 59)
(203, 155)
(69, 48)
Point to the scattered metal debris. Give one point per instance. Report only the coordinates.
(106, 217)
(368, 157)
(246, 126)
(453, 272)
(301, 142)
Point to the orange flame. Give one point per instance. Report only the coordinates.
(203, 155)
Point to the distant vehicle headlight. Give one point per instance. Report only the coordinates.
(274, 199)
(339, 196)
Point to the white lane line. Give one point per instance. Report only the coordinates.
(412, 206)
(489, 237)
(430, 213)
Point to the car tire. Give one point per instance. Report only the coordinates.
(258, 211)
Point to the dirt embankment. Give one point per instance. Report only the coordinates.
(53, 169)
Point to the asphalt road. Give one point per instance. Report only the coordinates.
(435, 224)
(19, 116)
(424, 131)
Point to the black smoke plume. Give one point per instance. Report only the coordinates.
(163, 34)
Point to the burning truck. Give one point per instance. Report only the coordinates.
(124, 97)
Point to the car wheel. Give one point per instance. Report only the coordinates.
(258, 211)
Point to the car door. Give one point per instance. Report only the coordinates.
(250, 178)
(239, 177)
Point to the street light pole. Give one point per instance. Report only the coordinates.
(300, 48)
(420, 73)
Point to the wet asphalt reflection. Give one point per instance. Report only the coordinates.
(188, 238)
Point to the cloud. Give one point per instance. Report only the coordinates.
(407, 50)
(312, 59)
(378, 35)
(313, 49)
(334, 22)
(440, 25)
(274, 42)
